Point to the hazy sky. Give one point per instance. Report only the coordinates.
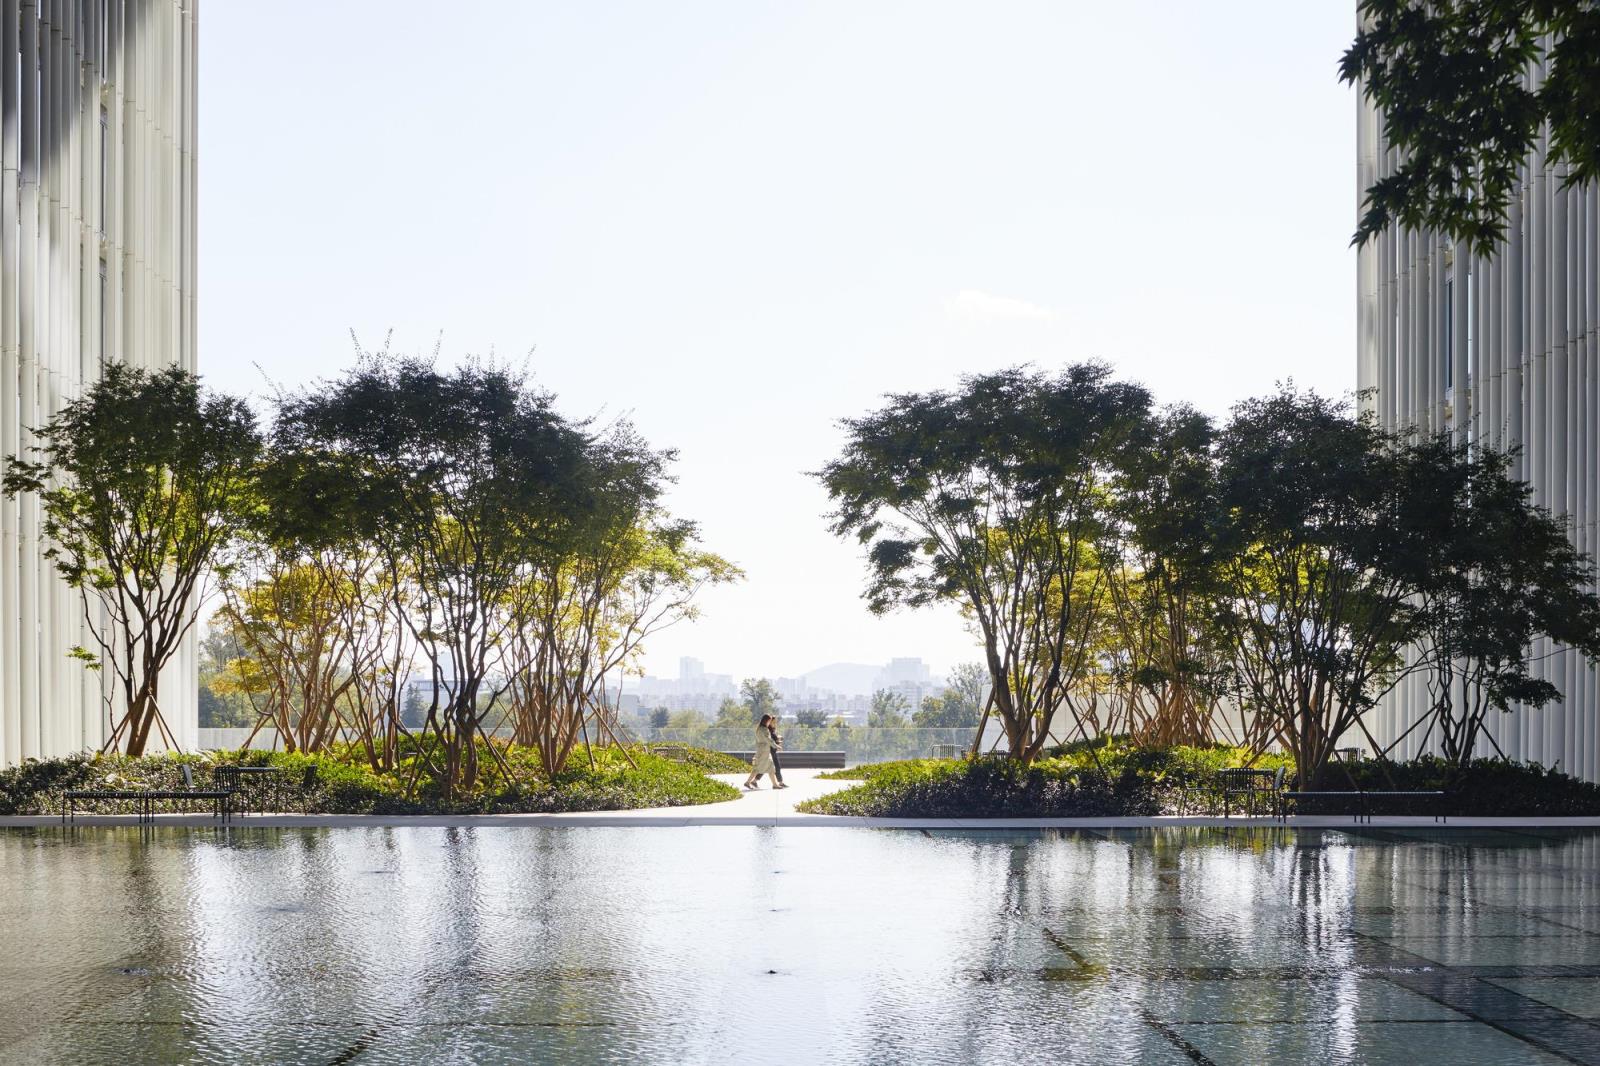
(735, 223)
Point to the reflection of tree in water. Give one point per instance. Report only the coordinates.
(1012, 985)
(551, 944)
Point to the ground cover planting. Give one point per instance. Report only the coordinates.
(1119, 779)
(341, 781)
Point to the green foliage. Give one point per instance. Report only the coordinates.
(992, 497)
(29, 786)
(1114, 777)
(516, 543)
(1160, 645)
(711, 762)
(1132, 571)
(461, 479)
(760, 697)
(144, 482)
(1324, 533)
(1448, 78)
(614, 785)
(960, 705)
(340, 782)
(222, 704)
(888, 710)
(223, 712)
(1110, 775)
(990, 787)
(1504, 573)
(1481, 787)
(731, 714)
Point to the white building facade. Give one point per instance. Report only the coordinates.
(1500, 350)
(97, 265)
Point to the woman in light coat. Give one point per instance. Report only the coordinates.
(764, 759)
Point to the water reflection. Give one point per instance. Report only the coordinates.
(758, 945)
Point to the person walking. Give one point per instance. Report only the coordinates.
(764, 760)
(775, 745)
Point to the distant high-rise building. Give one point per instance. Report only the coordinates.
(906, 669)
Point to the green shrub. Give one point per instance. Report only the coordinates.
(989, 787)
(35, 786)
(1115, 778)
(341, 782)
(704, 759)
(1485, 787)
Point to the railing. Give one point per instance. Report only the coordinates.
(861, 744)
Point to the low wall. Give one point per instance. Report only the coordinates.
(233, 739)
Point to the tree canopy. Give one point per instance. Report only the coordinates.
(992, 496)
(145, 481)
(1451, 79)
(525, 555)
(1158, 575)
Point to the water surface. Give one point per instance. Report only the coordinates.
(796, 945)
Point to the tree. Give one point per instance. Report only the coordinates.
(1166, 663)
(287, 614)
(760, 697)
(1323, 547)
(1506, 574)
(888, 710)
(811, 719)
(731, 714)
(457, 478)
(1452, 81)
(993, 497)
(659, 718)
(220, 709)
(599, 582)
(144, 481)
(960, 705)
(413, 711)
(324, 606)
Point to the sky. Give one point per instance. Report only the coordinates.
(735, 223)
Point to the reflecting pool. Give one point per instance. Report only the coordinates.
(798, 945)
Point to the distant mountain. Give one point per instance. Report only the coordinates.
(849, 679)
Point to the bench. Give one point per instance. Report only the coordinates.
(800, 760)
(1252, 788)
(1364, 798)
(146, 798)
(265, 782)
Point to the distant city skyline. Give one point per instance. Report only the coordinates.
(842, 689)
(693, 676)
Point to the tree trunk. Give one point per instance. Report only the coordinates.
(137, 720)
